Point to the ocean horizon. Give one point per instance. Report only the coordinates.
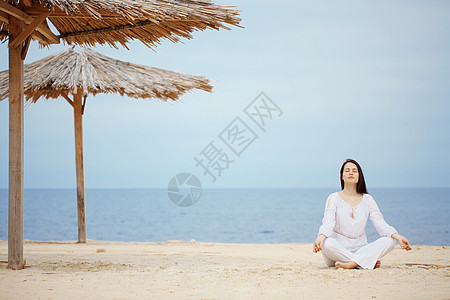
(238, 215)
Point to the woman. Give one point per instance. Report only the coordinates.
(342, 238)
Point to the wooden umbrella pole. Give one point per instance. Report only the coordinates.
(16, 149)
(78, 124)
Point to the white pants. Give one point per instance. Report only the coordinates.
(366, 256)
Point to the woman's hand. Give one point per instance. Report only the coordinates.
(319, 243)
(404, 243)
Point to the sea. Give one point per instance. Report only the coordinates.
(221, 215)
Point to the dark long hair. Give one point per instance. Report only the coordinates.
(361, 185)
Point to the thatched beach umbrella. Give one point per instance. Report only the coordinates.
(85, 72)
(73, 75)
(87, 22)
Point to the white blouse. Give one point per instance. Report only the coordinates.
(342, 220)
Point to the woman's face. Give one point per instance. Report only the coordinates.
(350, 174)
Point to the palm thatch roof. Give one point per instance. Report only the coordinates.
(117, 21)
(86, 22)
(64, 73)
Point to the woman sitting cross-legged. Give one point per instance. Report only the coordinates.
(342, 238)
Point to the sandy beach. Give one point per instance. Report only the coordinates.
(197, 270)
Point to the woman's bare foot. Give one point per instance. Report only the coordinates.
(377, 264)
(345, 265)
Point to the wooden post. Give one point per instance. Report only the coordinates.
(15, 218)
(78, 125)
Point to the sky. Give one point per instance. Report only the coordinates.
(351, 79)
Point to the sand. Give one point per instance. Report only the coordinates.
(197, 270)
